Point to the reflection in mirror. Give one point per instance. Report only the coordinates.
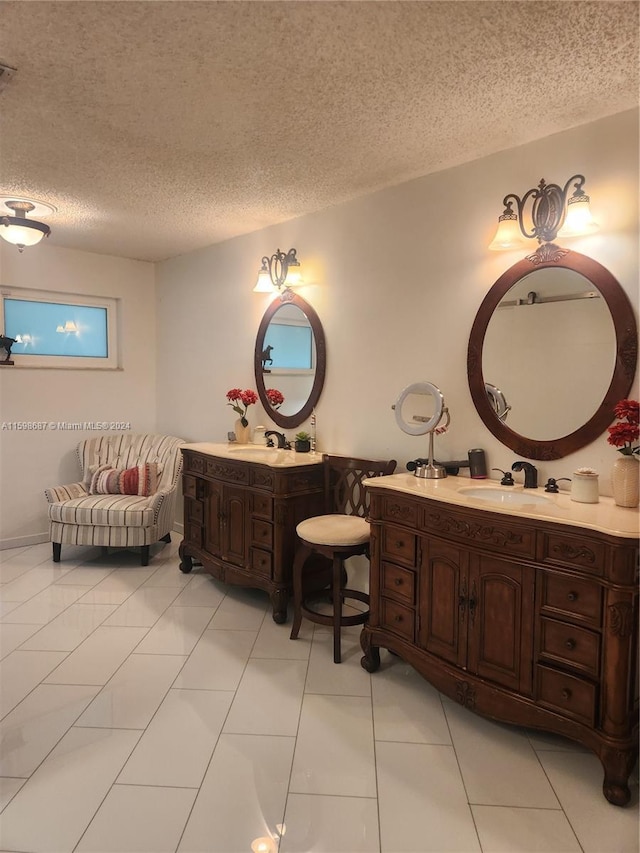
(497, 401)
(290, 356)
(557, 335)
(561, 342)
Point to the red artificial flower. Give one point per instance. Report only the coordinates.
(628, 410)
(275, 397)
(621, 434)
(624, 434)
(247, 398)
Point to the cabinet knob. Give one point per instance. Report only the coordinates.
(399, 543)
(570, 644)
(398, 618)
(566, 693)
(572, 596)
(398, 581)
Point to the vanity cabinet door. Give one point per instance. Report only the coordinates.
(443, 600)
(500, 630)
(213, 516)
(226, 527)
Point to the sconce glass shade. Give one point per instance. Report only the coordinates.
(508, 235)
(264, 283)
(294, 276)
(578, 219)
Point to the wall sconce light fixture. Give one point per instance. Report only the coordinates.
(19, 230)
(278, 272)
(552, 214)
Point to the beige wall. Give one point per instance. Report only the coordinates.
(397, 279)
(29, 460)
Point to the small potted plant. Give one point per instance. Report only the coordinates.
(303, 442)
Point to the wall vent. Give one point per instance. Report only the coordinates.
(6, 73)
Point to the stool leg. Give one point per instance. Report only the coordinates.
(337, 606)
(298, 564)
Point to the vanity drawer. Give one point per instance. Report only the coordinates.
(400, 511)
(193, 462)
(399, 619)
(571, 696)
(262, 506)
(398, 583)
(194, 510)
(570, 645)
(189, 486)
(563, 596)
(399, 545)
(261, 562)
(479, 529)
(261, 533)
(228, 471)
(193, 533)
(574, 552)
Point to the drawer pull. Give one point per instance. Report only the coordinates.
(398, 618)
(566, 693)
(572, 596)
(570, 644)
(399, 543)
(398, 581)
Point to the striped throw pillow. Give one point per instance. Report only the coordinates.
(140, 480)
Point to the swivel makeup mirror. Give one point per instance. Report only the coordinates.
(419, 410)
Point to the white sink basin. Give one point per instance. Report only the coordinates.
(503, 497)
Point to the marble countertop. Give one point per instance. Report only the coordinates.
(604, 516)
(258, 453)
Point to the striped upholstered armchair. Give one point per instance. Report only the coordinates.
(127, 495)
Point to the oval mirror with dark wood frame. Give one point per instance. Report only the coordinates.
(623, 355)
(292, 318)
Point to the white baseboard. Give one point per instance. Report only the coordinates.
(23, 541)
(178, 528)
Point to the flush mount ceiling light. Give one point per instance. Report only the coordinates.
(551, 215)
(19, 230)
(278, 272)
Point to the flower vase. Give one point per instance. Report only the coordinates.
(243, 433)
(624, 481)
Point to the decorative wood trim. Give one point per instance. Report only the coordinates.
(620, 619)
(570, 552)
(466, 694)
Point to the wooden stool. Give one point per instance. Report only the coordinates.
(341, 533)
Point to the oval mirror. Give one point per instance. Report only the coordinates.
(419, 408)
(290, 356)
(557, 336)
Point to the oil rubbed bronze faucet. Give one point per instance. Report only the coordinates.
(283, 444)
(530, 473)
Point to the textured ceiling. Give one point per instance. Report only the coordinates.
(157, 128)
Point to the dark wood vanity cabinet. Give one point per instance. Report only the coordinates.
(524, 621)
(240, 520)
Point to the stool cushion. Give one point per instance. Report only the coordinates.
(334, 530)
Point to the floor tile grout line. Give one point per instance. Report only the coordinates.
(464, 784)
(555, 793)
(213, 751)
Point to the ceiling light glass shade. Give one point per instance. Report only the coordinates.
(578, 219)
(24, 232)
(508, 235)
(264, 283)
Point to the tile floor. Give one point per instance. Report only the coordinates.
(147, 710)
